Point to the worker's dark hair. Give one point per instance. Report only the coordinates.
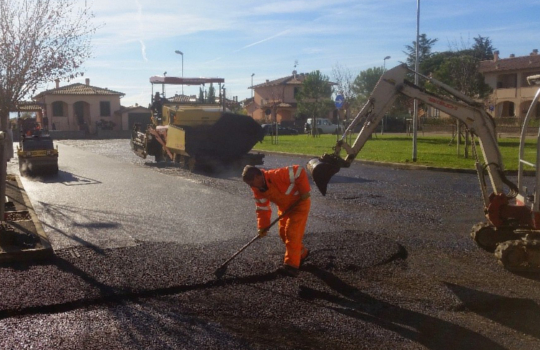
(249, 173)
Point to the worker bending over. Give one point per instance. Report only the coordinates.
(284, 187)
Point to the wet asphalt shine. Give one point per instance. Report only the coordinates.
(392, 266)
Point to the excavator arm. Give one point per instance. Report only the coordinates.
(512, 230)
(392, 84)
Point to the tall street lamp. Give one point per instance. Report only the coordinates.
(384, 62)
(252, 74)
(416, 63)
(181, 53)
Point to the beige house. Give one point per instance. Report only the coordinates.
(274, 101)
(511, 95)
(79, 107)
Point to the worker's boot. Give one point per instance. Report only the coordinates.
(304, 256)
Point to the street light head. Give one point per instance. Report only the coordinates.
(387, 57)
(252, 74)
(179, 52)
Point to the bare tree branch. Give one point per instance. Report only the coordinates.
(40, 41)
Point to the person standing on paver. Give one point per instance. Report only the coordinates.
(284, 187)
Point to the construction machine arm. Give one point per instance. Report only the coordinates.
(392, 84)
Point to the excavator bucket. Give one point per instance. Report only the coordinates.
(322, 170)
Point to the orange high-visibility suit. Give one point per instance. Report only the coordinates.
(285, 185)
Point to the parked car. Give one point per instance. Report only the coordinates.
(269, 129)
(323, 125)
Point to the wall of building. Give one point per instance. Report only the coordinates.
(69, 121)
(512, 94)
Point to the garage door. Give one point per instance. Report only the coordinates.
(141, 118)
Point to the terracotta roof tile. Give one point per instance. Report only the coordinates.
(509, 64)
(79, 89)
(289, 80)
(132, 108)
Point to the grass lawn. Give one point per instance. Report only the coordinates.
(437, 151)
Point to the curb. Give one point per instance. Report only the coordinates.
(42, 250)
(408, 166)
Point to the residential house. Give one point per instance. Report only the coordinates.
(512, 95)
(274, 101)
(80, 107)
(129, 116)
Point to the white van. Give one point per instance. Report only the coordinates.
(323, 125)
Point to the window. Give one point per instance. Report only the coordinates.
(105, 109)
(58, 109)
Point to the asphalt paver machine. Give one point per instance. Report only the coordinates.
(196, 133)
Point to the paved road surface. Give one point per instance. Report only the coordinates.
(392, 264)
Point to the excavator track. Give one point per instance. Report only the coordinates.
(519, 255)
(488, 237)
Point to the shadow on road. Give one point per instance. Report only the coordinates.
(429, 331)
(523, 315)
(67, 179)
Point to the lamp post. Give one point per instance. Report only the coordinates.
(384, 62)
(384, 70)
(181, 53)
(252, 74)
(416, 63)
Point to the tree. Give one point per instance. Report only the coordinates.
(315, 97)
(459, 67)
(344, 80)
(201, 95)
(40, 41)
(365, 83)
(483, 49)
(211, 98)
(424, 50)
(461, 72)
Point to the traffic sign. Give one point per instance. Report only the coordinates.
(339, 101)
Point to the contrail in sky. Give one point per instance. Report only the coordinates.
(139, 17)
(262, 41)
(143, 50)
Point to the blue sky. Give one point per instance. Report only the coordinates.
(234, 39)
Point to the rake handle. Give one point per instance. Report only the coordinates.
(257, 237)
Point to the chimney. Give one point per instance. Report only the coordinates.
(57, 81)
(294, 74)
(87, 80)
(534, 52)
(495, 56)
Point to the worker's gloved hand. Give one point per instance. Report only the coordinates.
(305, 196)
(262, 232)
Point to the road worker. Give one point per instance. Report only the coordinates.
(284, 187)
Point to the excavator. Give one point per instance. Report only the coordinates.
(512, 228)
